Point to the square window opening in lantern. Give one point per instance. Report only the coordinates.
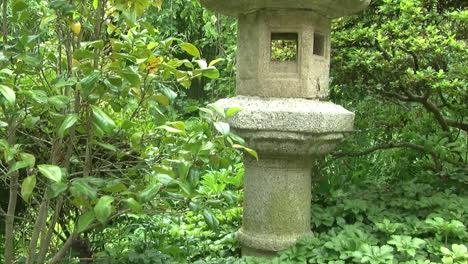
(284, 46)
(319, 44)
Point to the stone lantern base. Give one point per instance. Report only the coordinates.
(288, 134)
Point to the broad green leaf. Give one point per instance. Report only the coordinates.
(115, 188)
(27, 187)
(69, 121)
(162, 99)
(178, 124)
(222, 127)
(169, 93)
(213, 62)
(6, 71)
(84, 54)
(250, 151)
(171, 129)
(89, 81)
(94, 44)
(445, 250)
(102, 119)
(84, 221)
(103, 208)
(231, 111)
(8, 93)
(59, 101)
(210, 72)
(30, 159)
(190, 49)
(82, 186)
(236, 138)
(51, 171)
(218, 110)
(131, 76)
(459, 250)
(18, 165)
(134, 205)
(18, 5)
(210, 219)
(149, 192)
(202, 64)
(106, 146)
(56, 189)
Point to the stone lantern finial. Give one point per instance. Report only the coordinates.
(282, 117)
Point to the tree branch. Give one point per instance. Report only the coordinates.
(434, 156)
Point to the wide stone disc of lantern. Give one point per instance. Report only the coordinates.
(283, 61)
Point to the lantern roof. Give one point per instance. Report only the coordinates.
(327, 8)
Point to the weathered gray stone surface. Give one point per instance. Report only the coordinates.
(258, 75)
(277, 200)
(288, 131)
(288, 134)
(329, 8)
(288, 115)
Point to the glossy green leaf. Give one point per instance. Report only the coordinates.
(103, 208)
(190, 49)
(52, 172)
(210, 219)
(84, 221)
(59, 101)
(149, 192)
(82, 186)
(213, 62)
(210, 72)
(102, 119)
(8, 93)
(17, 166)
(18, 5)
(218, 109)
(250, 151)
(130, 75)
(84, 54)
(56, 189)
(30, 159)
(69, 121)
(171, 129)
(89, 82)
(106, 146)
(135, 206)
(222, 128)
(231, 111)
(27, 187)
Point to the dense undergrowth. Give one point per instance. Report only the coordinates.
(407, 223)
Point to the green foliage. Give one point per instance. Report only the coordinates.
(409, 223)
(399, 65)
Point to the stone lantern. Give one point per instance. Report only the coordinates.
(282, 116)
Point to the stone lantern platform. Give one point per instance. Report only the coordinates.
(288, 134)
(282, 117)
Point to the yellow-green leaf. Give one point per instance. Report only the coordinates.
(85, 221)
(250, 151)
(69, 121)
(51, 171)
(134, 205)
(8, 93)
(103, 208)
(190, 49)
(27, 187)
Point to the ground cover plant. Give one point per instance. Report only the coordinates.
(112, 151)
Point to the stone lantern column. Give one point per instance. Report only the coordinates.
(282, 116)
